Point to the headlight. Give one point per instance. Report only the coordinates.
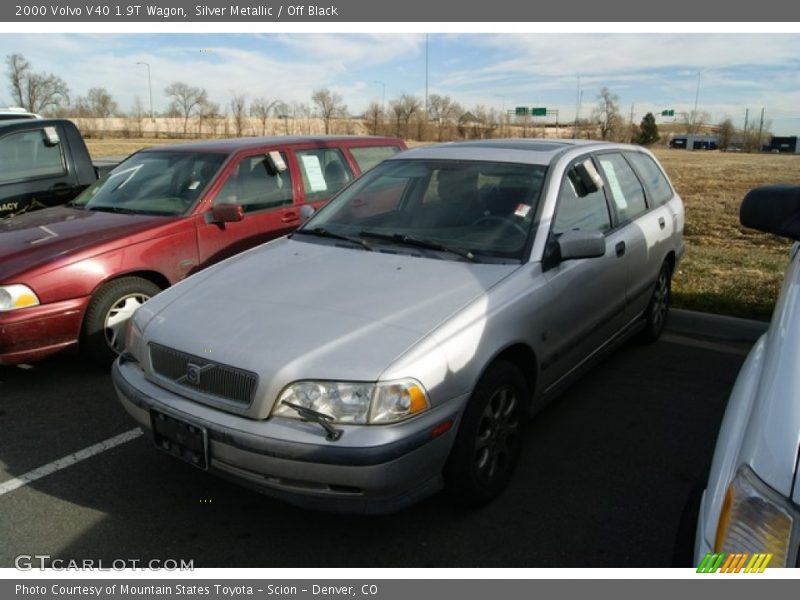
(353, 402)
(756, 519)
(16, 296)
(133, 340)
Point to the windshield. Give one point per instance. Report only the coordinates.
(480, 208)
(153, 183)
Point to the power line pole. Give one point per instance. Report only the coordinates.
(630, 129)
(760, 128)
(426, 76)
(577, 108)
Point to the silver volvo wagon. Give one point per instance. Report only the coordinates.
(396, 342)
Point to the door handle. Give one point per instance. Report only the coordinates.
(288, 217)
(620, 248)
(661, 222)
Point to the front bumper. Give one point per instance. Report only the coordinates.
(391, 468)
(30, 334)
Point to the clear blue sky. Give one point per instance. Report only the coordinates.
(652, 72)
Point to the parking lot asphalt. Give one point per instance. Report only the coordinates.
(604, 476)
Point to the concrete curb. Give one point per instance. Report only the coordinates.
(689, 322)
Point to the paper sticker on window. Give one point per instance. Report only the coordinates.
(616, 189)
(522, 210)
(313, 170)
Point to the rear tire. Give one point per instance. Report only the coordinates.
(489, 438)
(103, 331)
(658, 307)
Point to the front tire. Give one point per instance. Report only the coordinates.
(103, 331)
(489, 438)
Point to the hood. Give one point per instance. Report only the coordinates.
(30, 240)
(294, 310)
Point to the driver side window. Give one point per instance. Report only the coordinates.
(255, 186)
(589, 213)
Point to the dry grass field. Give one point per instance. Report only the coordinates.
(726, 269)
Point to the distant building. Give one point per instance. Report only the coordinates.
(694, 142)
(786, 144)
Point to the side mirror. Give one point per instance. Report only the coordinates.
(773, 209)
(227, 212)
(585, 178)
(577, 243)
(306, 212)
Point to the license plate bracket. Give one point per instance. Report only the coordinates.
(181, 439)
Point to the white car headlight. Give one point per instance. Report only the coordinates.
(354, 402)
(133, 340)
(757, 519)
(16, 296)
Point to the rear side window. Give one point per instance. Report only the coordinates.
(624, 187)
(657, 186)
(324, 172)
(369, 156)
(26, 155)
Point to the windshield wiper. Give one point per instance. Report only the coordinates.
(114, 209)
(408, 240)
(321, 232)
(321, 419)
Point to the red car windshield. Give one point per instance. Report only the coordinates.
(154, 183)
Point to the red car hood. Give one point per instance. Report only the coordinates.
(32, 239)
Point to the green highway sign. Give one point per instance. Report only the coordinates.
(521, 111)
(539, 111)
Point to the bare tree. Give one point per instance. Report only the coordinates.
(97, 103)
(36, 92)
(607, 115)
(404, 107)
(207, 112)
(330, 106)
(726, 131)
(239, 112)
(138, 115)
(444, 112)
(694, 120)
(186, 100)
(374, 118)
(261, 108)
(284, 113)
(757, 135)
(301, 113)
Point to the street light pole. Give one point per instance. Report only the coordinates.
(149, 88)
(383, 103)
(502, 115)
(696, 99)
(383, 95)
(578, 95)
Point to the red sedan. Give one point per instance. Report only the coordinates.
(74, 274)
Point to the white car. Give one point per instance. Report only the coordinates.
(752, 501)
(15, 112)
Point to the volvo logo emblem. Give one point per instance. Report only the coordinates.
(193, 373)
